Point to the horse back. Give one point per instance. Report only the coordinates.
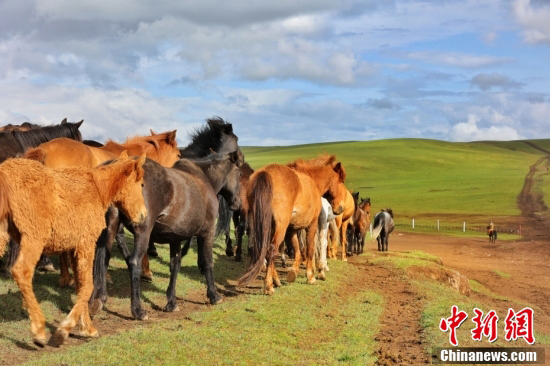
(64, 152)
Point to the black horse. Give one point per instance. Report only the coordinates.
(239, 218)
(383, 226)
(14, 143)
(181, 203)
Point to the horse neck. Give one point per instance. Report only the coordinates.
(319, 175)
(114, 147)
(214, 176)
(34, 137)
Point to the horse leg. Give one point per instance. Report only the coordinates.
(293, 271)
(141, 241)
(146, 273)
(386, 237)
(239, 223)
(205, 244)
(22, 272)
(379, 241)
(65, 278)
(45, 264)
(175, 265)
(84, 275)
(311, 231)
(344, 239)
(323, 243)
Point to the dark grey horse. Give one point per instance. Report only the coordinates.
(383, 226)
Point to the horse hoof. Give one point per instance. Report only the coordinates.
(291, 275)
(344, 259)
(66, 282)
(326, 269)
(108, 279)
(142, 315)
(47, 268)
(145, 277)
(311, 281)
(58, 338)
(269, 291)
(95, 307)
(171, 308)
(39, 342)
(321, 276)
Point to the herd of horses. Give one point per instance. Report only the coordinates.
(63, 195)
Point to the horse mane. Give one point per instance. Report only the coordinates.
(36, 136)
(207, 138)
(320, 161)
(388, 210)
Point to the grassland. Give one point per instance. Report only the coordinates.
(301, 324)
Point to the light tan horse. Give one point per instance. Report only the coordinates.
(56, 210)
(288, 197)
(64, 152)
(342, 222)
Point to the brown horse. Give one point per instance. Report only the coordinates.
(288, 197)
(358, 231)
(63, 152)
(342, 222)
(56, 210)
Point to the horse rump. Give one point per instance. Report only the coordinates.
(261, 216)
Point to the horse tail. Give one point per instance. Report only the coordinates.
(4, 212)
(378, 225)
(37, 154)
(224, 217)
(261, 224)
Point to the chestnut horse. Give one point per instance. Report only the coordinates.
(342, 222)
(358, 231)
(287, 197)
(63, 152)
(181, 202)
(55, 210)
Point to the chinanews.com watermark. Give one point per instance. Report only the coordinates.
(517, 326)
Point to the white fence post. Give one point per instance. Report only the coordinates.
(464, 227)
(371, 229)
(438, 225)
(413, 223)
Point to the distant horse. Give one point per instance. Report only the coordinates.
(286, 197)
(55, 210)
(492, 234)
(15, 141)
(342, 222)
(326, 217)
(182, 202)
(383, 226)
(239, 217)
(361, 223)
(63, 152)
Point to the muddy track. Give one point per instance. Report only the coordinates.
(400, 340)
(530, 200)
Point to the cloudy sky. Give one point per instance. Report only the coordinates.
(283, 72)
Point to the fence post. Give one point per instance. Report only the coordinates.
(464, 227)
(437, 224)
(413, 223)
(371, 229)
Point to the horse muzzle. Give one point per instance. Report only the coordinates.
(140, 217)
(235, 204)
(338, 211)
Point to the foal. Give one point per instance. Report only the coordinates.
(56, 210)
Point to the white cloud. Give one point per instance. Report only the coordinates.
(534, 19)
(456, 59)
(470, 131)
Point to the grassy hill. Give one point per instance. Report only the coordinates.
(426, 178)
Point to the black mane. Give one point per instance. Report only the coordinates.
(36, 136)
(207, 138)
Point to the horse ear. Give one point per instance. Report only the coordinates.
(152, 132)
(64, 121)
(123, 155)
(338, 168)
(228, 129)
(78, 124)
(141, 160)
(154, 143)
(171, 137)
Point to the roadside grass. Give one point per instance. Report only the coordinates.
(502, 274)
(300, 324)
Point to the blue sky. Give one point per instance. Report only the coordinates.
(285, 72)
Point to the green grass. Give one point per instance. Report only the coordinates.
(425, 177)
(502, 274)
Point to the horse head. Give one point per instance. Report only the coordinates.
(337, 191)
(231, 189)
